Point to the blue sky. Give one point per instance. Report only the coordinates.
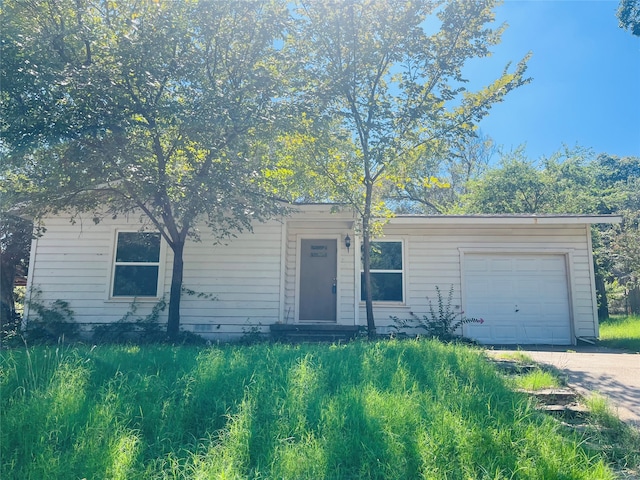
(586, 79)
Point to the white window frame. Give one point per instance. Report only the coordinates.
(160, 264)
(402, 271)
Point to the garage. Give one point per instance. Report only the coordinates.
(523, 298)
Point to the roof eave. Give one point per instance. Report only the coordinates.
(506, 219)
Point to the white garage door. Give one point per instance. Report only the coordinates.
(523, 299)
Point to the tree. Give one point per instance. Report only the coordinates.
(619, 248)
(466, 160)
(396, 86)
(564, 183)
(157, 107)
(629, 16)
(573, 181)
(15, 240)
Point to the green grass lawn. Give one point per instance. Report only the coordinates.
(385, 410)
(621, 332)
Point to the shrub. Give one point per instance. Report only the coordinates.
(127, 330)
(141, 330)
(442, 324)
(10, 321)
(50, 323)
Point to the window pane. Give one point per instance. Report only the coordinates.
(386, 287)
(386, 255)
(135, 281)
(138, 247)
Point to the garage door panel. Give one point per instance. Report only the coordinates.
(526, 309)
(525, 265)
(523, 299)
(501, 265)
(527, 287)
(552, 264)
(476, 265)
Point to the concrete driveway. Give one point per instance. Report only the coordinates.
(611, 373)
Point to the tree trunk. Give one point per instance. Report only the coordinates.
(601, 294)
(7, 305)
(173, 322)
(366, 265)
(633, 300)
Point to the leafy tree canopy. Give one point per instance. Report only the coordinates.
(572, 181)
(152, 106)
(629, 16)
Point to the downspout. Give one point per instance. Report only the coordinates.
(592, 274)
(29, 289)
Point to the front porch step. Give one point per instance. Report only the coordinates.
(299, 332)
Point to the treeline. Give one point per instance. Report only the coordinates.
(572, 181)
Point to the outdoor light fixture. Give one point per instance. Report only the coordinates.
(347, 242)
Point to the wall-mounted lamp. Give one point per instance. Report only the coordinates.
(347, 242)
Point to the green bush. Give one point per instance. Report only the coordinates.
(50, 323)
(442, 323)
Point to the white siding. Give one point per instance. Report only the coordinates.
(73, 262)
(434, 259)
(254, 285)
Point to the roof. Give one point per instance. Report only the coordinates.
(320, 209)
(515, 219)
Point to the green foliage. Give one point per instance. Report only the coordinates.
(621, 332)
(564, 183)
(537, 379)
(629, 16)
(461, 162)
(617, 440)
(15, 239)
(442, 323)
(129, 329)
(159, 108)
(363, 410)
(50, 323)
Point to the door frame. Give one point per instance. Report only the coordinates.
(308, 236)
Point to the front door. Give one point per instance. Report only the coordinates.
(318, 282)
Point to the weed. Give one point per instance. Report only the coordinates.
(252, 333)
(442, 324)
(606, 433)
(50, 323)
(517, 356)
(537, 379)
(130, 329)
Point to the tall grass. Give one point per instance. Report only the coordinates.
(621, 332)
(537, 379)
(397, 409)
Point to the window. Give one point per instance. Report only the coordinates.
(137, 265)
(386, 272)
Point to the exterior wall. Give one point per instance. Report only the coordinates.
(254, 276)
(433, 256)
(73, 262)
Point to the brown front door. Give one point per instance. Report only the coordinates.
(318, 282)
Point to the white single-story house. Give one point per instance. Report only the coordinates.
(530, 277)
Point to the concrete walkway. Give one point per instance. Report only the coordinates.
(611, 373)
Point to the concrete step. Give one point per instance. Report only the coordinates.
(301, 332)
